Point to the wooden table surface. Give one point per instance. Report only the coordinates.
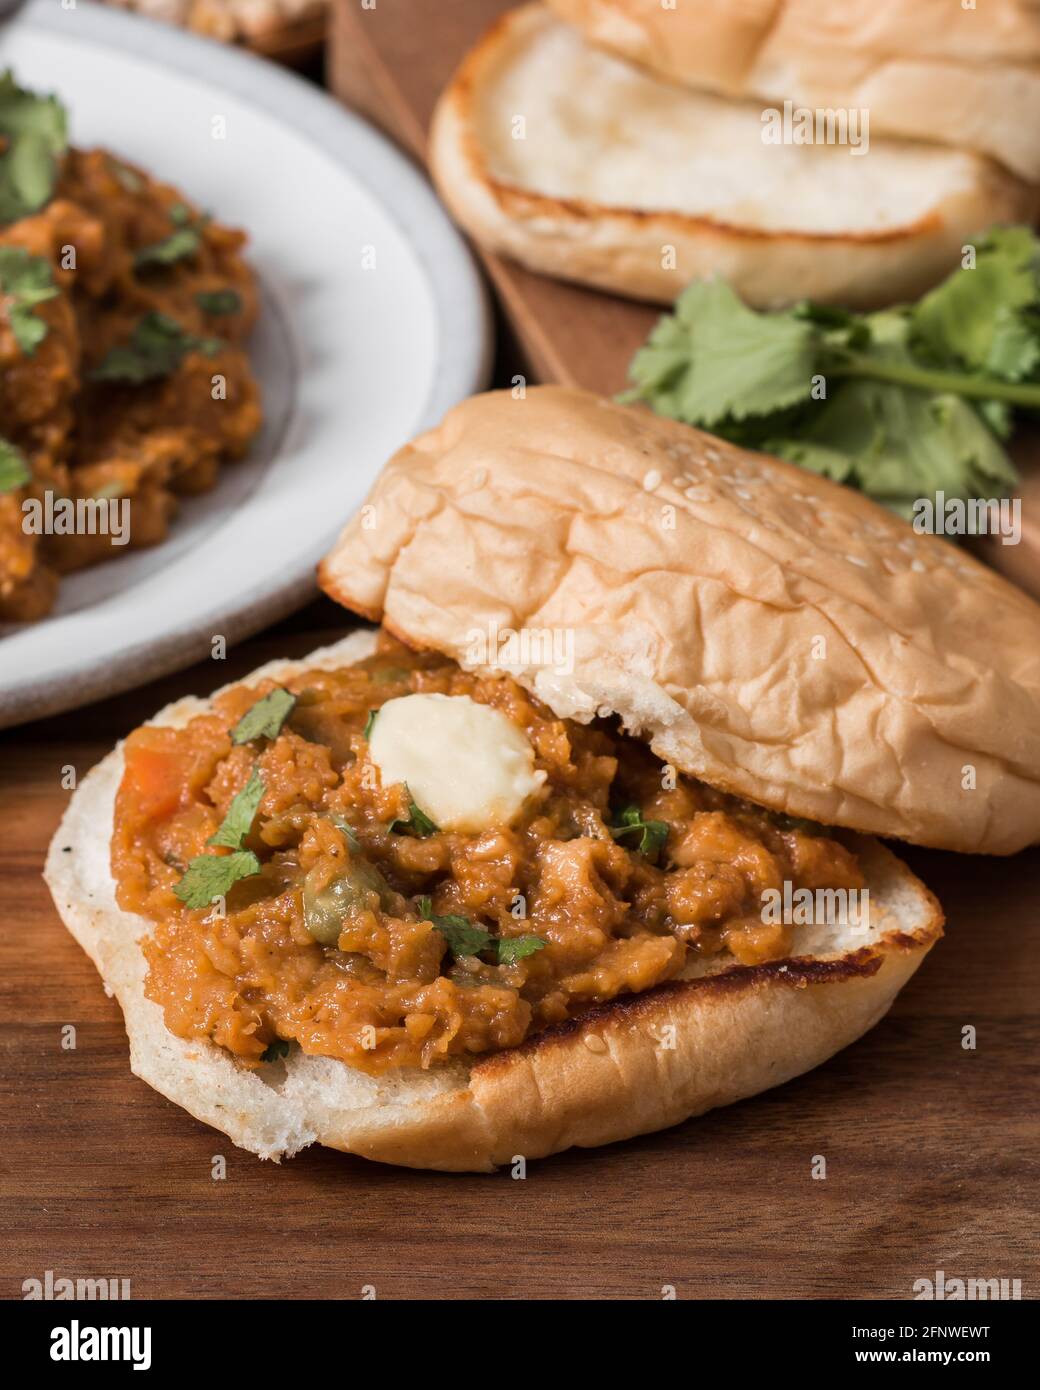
(931, 1149)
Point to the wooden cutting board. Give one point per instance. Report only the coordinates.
(391, 63)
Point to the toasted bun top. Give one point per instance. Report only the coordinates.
(772, 633)
(928, 69)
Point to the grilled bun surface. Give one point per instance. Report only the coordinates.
(925, 69)
(530, 150)
(767, 631)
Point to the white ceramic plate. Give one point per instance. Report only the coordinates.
(353, 357)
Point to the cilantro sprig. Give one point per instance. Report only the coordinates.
(514, 948)
(465, 939)
(217, 303)
(157, 347)
(917, 398)
(238, 822)
(265, 718)
(25, 282)
(180, 244)
(33, 138)
(210, 876)
(652, 833)
(14, 467)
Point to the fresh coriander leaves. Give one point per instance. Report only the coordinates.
(238, 822)
(464, 939)
(182, 242)
(418, 822)
(25, 282)
(33, 138)
(210, 876)
(514, 948)
(984, 318)
(348, 832)
(918, 398)
(14, 468)
(265, 718)
(157, 348)
(369, 722)
(217, 303)
(716, 360)
(652, 833)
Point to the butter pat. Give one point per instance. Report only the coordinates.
(467, 766)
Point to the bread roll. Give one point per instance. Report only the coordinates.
(936, 70)
(585, 167)
(768, 631)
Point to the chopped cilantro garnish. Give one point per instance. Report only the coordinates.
(348, 832)
(211, 876)
(276, 1050)
(183, 241)
(14, 469)
(465, 939)
(418, 822)
(238, 822)
(265, 718)
(652, 833)
(370, 721)
(918, 397)
(157, 347)
(514, 948)
(219, 302)
(25, 281)
(33, 137)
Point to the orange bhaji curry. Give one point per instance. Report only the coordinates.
(299, 895)
(122, 375)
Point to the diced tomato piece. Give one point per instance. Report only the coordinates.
(153, 782)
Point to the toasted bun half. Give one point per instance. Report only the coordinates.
(770, 632)
(925, 69)
(582, 166)
(635, 1065)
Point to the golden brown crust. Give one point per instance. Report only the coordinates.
(644, 1062)
(619, 248)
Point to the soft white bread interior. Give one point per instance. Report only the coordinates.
(962, 75)
(638, 1064)
(583, 166)
(770, 632)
